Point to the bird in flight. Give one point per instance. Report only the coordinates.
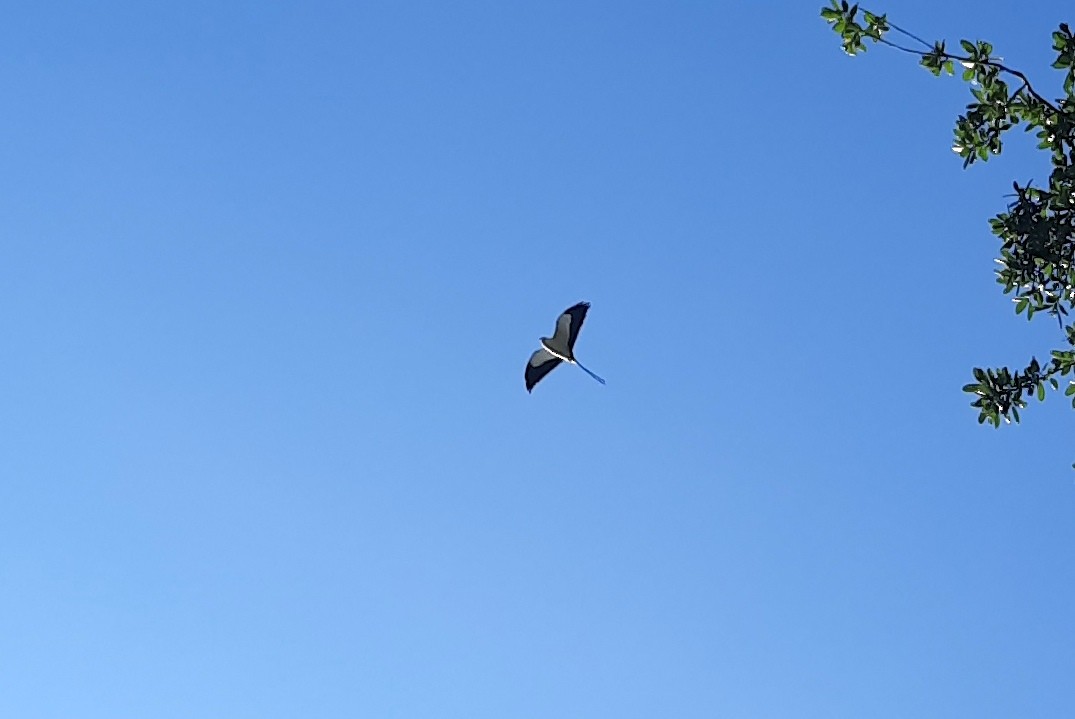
(558, 348)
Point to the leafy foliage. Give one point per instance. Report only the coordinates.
(1036, 260)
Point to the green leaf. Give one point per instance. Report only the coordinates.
(1041, 391)
(1070, 390)
(968, 46)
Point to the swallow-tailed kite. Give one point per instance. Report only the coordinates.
(558, 348)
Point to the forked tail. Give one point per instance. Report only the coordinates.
(589, 372)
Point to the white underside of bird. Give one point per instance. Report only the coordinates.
(559, 350)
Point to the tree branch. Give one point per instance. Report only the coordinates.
(990, 63)
(1018, 74)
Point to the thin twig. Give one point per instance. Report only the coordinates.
(901, 47)
(1024, 86)
(911, 35)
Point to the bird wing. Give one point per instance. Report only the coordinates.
(541, 363)
(569, 324)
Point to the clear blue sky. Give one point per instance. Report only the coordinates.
(269, 276)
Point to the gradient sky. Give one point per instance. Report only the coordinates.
(269, 276)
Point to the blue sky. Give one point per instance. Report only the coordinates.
(269, 276)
